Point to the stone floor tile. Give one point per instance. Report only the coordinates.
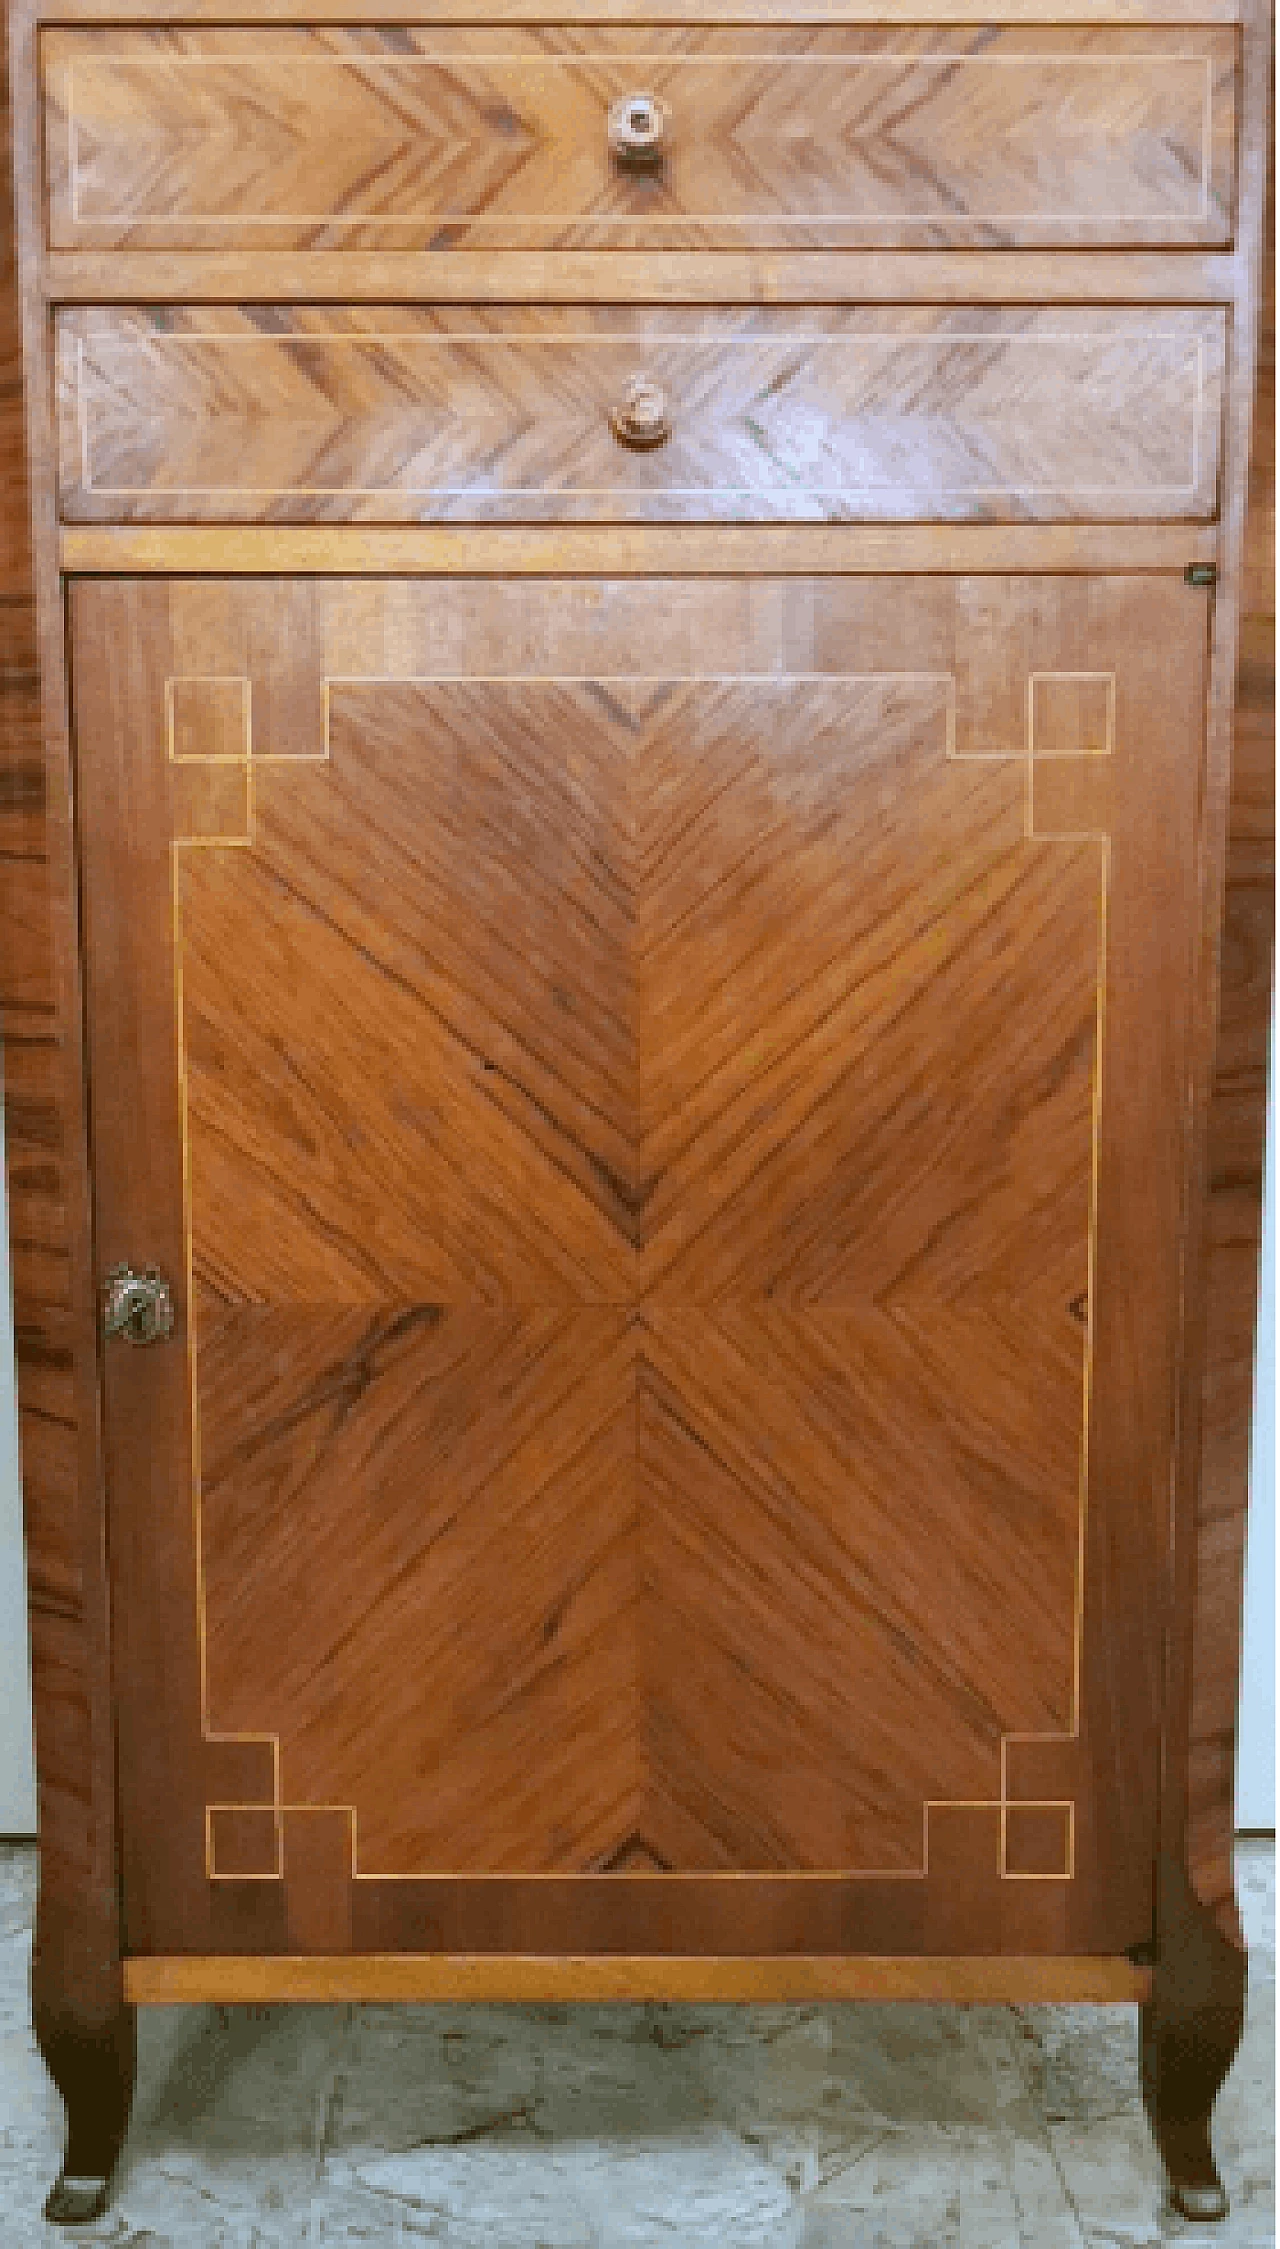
(17, 1890)
(1246, 2105)
(30, 2111)
(504, 2193)
(1116, 2184)
(1256, 1890)
(1111, 2172)
(1080, 2063)
(590, 2087)
(932, 2065)
(346, 2215)
(199, 2200)
(788, 2093)
(418, 2076)
(245, 2081)
(936, 2187)
(703, 2189)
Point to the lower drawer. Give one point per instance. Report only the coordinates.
(632, 414)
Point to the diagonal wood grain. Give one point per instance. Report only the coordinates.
(815, 1588)
(424, 1122)
(637, 1016)
(447, 1497)
(868, 413)
(434, 138)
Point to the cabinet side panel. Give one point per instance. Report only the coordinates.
(1237, 1134)
(76, 1974)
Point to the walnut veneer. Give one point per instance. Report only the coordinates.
(1058, 414)
(204, 139)
(653, 1001)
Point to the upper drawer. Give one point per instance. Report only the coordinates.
(504, 414)
(415, 139)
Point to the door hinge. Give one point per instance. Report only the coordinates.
(1201, 574)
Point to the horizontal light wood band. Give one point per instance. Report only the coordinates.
(638, 550)
(524, 1976)
(621, 277)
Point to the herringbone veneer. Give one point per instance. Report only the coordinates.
(434, 138)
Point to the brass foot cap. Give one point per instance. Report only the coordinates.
(76, 2202)
(1204, 2205)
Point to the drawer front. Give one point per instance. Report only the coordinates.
(431, 139)
(875, 413)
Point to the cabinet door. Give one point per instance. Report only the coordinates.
(661, 1107)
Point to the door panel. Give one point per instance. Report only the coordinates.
(638, 1088)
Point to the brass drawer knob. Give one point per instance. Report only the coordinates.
(137, 1306)
(642, 420)
(639, 127)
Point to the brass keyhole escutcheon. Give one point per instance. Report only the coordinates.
(639, 129)
(642, 420)
(137, 1306)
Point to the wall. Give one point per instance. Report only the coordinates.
(1256, 1772)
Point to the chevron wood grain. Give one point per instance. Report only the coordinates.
(422, 138)
(474, 415)
(555, 1106)
(630, 1123)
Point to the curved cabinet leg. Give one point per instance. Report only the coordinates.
(91, 2059)
(1191, 2029)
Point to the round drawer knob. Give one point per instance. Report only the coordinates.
(639, 128)
(642, 420)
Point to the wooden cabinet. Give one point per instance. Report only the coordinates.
(636, 756)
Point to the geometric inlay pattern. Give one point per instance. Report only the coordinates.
(1072, 714)
(243, 1842)
(641, 1190)
(1039, 1842)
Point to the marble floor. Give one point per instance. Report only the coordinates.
(851, 2127)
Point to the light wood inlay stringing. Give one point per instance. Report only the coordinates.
(1067, 716)
(475, 415)
(438, 138)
